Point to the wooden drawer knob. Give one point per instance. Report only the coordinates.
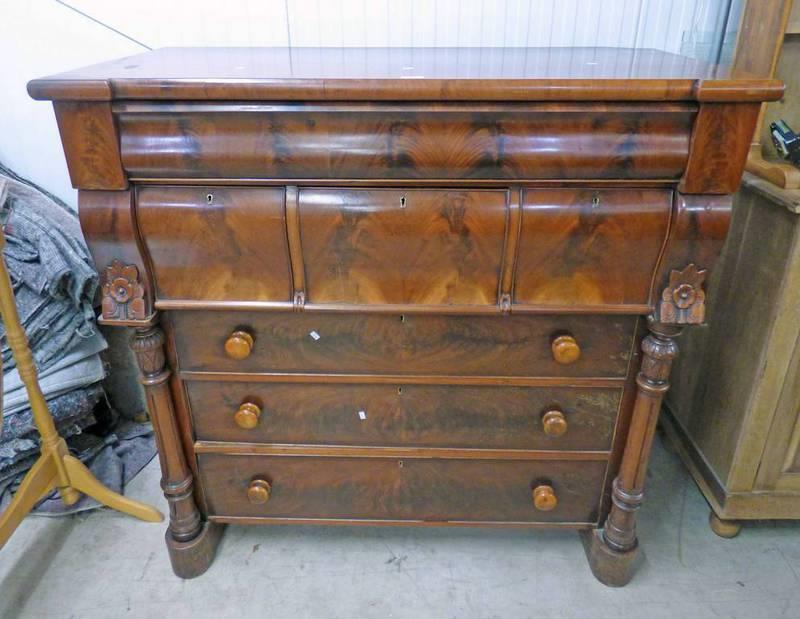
(239, 345)
(258, 491)
(565, 349)
(554, 423)
(247, 416)
(544, 498)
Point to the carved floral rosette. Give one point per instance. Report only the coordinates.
(123, 293)
(683, 300)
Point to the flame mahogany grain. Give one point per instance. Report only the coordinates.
(396, 142)
(420, 247)
(590, 247)
(216, 243)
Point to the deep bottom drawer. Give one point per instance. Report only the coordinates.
(410, 489)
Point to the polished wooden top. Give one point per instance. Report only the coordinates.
(422, 74)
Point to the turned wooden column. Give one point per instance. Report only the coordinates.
(613, 550)
(176, 477)
(190, 540)
(659, 349)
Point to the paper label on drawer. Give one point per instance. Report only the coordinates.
(314, 335)
(362, 415)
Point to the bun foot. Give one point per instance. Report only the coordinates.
(724, 528)
(191, 559)
(609, 566)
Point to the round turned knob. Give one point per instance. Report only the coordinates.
(554, 423)
(544, 498)
(239, 345)
(566, 349)
(247, 416)
(258, 491)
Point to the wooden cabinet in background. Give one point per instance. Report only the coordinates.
(363, 299)
(734, 408)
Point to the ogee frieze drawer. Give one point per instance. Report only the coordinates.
(458, 416)
(404, 344)
(405, 141)
(411, 489)
(383, 246)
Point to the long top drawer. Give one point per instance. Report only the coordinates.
(441, 141)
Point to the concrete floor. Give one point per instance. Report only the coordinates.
(105, 565)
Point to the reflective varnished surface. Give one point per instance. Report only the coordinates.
(409, 141)
(547, 73)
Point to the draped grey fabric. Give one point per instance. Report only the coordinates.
(51, 270)
(71, 411)
(55, 284)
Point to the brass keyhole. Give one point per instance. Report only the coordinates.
(402, 201)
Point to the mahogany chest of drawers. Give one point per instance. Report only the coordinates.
(361, 298)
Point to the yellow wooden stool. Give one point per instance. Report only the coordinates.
(55, 468)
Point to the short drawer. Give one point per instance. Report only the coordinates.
(400, 489)
(459, 416)
(594, 247)
(216, 243)
(390, 246)
(408, 344)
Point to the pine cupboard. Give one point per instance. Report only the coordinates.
(734, 410)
